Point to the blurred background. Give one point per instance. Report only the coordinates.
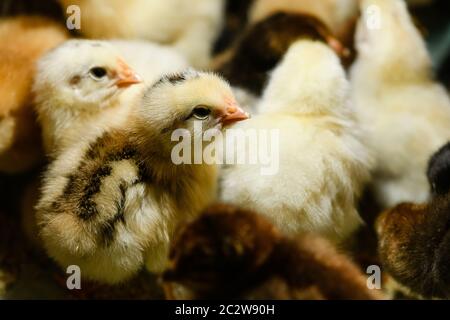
(22, 274)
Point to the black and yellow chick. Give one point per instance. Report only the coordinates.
(111, 204)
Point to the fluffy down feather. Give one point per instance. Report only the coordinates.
(414, 239)
(406, 111)
(110, 204)
(230, 253)
(322, 163)
(69, 101)
(190, 26)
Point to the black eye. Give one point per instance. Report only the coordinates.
(201, 112)
(98, 72)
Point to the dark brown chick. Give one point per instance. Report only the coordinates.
(233, 253)
(414, 240)
(263, 45)
(236, 18)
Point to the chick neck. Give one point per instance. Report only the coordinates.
(155, 150)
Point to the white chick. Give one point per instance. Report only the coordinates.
(406, 112)
(111, 204)
(322, 163)
(78, 85)
(72, 101)
(189, 26)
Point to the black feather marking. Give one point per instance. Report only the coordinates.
(143, 173)
(126, 153)
(96, 147)
(87, 206)
(70, 186)
(177, 78)
(438, 172)
(108, 229)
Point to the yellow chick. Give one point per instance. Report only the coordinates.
(189, 26)
(317, 163)
(406, 112)
(111, 204)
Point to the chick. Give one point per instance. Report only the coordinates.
(23, 41)
(65, 109)
(414, 239)
(77, 86)
(236, 16)
(320, 164)
(264, 44)
(111, 204)
(406, 112)
(338, 15)
(230, 253)
(189, 26)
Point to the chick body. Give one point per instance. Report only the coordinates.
(191, 27)
(414, 239)
(231, 253)
(110, 204)
(322, 163)
(404, 109)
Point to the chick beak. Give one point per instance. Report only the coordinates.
(337, 46)
(233, 114)
(126, 76)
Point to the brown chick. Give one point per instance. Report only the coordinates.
(338, 15)
(264, 44)
(414, 240)
(236, 17)
(234, 253)
(22, 41)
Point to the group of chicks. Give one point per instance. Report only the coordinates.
(112, 201)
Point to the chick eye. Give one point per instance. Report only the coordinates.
(201, 112)
(98, 73)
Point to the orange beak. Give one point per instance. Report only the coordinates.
(337, 46)
(234, 114)
(127, 76)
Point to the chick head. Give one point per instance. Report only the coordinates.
(386, 31)
(83, 75)
(190, 100)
